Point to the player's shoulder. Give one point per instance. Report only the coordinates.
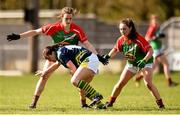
(139, 35)
(51, 28)
(53, 25)
(141, 39)
(121, 39)
(75, 26)
(56, 24)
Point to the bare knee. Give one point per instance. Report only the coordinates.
(74, 82)
(42, 81)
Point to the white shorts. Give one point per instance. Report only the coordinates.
(157, 52)
(91, 62)
(135, 69)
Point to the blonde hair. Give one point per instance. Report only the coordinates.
(66, 10)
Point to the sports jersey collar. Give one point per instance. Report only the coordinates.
(72, 23)
(126, 40)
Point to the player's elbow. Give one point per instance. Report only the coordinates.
(151, 51)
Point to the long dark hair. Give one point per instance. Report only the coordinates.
(130, 24)
(52, 48)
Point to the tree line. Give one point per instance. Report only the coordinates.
(107, 10)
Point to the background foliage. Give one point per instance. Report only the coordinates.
(108, 10)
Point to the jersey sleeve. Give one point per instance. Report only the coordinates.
(81, 34)
(118, 46)
(150, 32)
(49, 29)
(143, 43)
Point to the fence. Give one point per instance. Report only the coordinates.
(172, 42)
(14, 55)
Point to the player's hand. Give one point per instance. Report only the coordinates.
(71, 72)
(38, 73)
(13, 36)
(129, 56)
(106, 56)
(160, 35)
(103, 59)
(141, 63)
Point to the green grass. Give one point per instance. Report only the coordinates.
(60, 96)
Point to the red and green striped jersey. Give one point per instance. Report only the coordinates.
(56, 31)
(137, 47)
(151, 32)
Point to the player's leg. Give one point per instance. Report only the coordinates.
(79, 80)
(125, 76)
(137, 78)
(155, 64)
(83, 99)
(147, 73)
(40, 85)
(83, 95)
(163, 60)
(84, 75)
(139, 74)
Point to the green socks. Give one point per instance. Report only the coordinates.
(90, 91)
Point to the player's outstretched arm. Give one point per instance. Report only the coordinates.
(43, 73)
(26, 34)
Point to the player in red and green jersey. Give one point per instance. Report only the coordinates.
(64, 32)
(138, 54)
(150, 36)
(59, 36)
(153, 35)
(133, 50)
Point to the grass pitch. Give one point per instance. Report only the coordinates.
(60, 97)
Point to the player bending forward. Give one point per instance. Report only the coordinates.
(83, 65)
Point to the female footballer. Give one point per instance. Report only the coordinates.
(138, 54)
(83, 65)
